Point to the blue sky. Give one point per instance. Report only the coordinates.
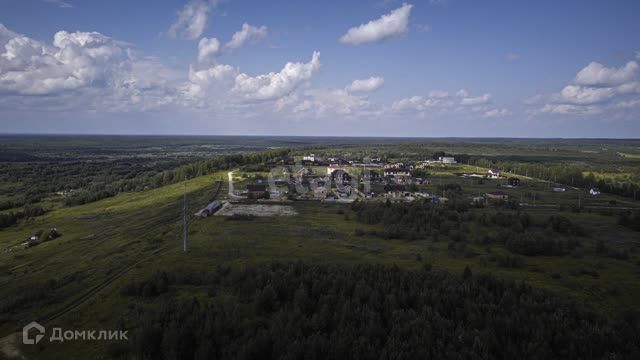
(364, 68)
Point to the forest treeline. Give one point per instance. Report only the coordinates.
(11, 218)
(98, 191)
(301, 311)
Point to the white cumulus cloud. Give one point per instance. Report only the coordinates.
(596, 74)
(478, 100)
(246, 34)
(75, 60)
(275, 85)
(597, 89)
(208, 49)
(365, 85)
(390, 25)
(436, 99)
(80, 67)
(576, 94)
(192, 19)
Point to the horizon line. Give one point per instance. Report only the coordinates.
(314, 136)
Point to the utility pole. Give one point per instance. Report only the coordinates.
(185, 233)
(579, 200)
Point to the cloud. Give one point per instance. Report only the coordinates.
(418, 103)
(512, 56)
(246, 34)
(478, 100)
(371, 84)
(436, 98)
(628, 104)
(595, 74)
(192, 19)
(439, 94)
(338, 101)
(75, 60)
(493, 113)
(204, 83)
(462, 93)
(596, 89)
(60, 3)
(565, 109)
(208, 48)
(276, 85)
(440, 102)
(80, 67)
(575, 94)
(390, 25)
(214, 73)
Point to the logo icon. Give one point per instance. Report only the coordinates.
(27, 339)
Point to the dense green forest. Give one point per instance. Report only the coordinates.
(300, 311)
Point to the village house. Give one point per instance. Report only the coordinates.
(397, 171)
(513, 181)
(340, 177)
(371, 175)
(447, 159)
(594, 191)
(310, 157)
(493, 174)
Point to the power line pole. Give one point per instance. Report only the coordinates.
(185, 233)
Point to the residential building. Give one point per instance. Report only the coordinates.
(447, 159)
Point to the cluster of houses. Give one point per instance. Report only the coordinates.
(331, 178)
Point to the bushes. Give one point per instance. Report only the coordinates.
(12, 218)
(630, 219)
(507, 261)
(533, 244)
(159, 283)
(555, 236)
(562, 225)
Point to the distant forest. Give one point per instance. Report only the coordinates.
(299, 311)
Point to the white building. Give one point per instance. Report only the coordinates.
(493, 174)
(310, 157)
(447, 159)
